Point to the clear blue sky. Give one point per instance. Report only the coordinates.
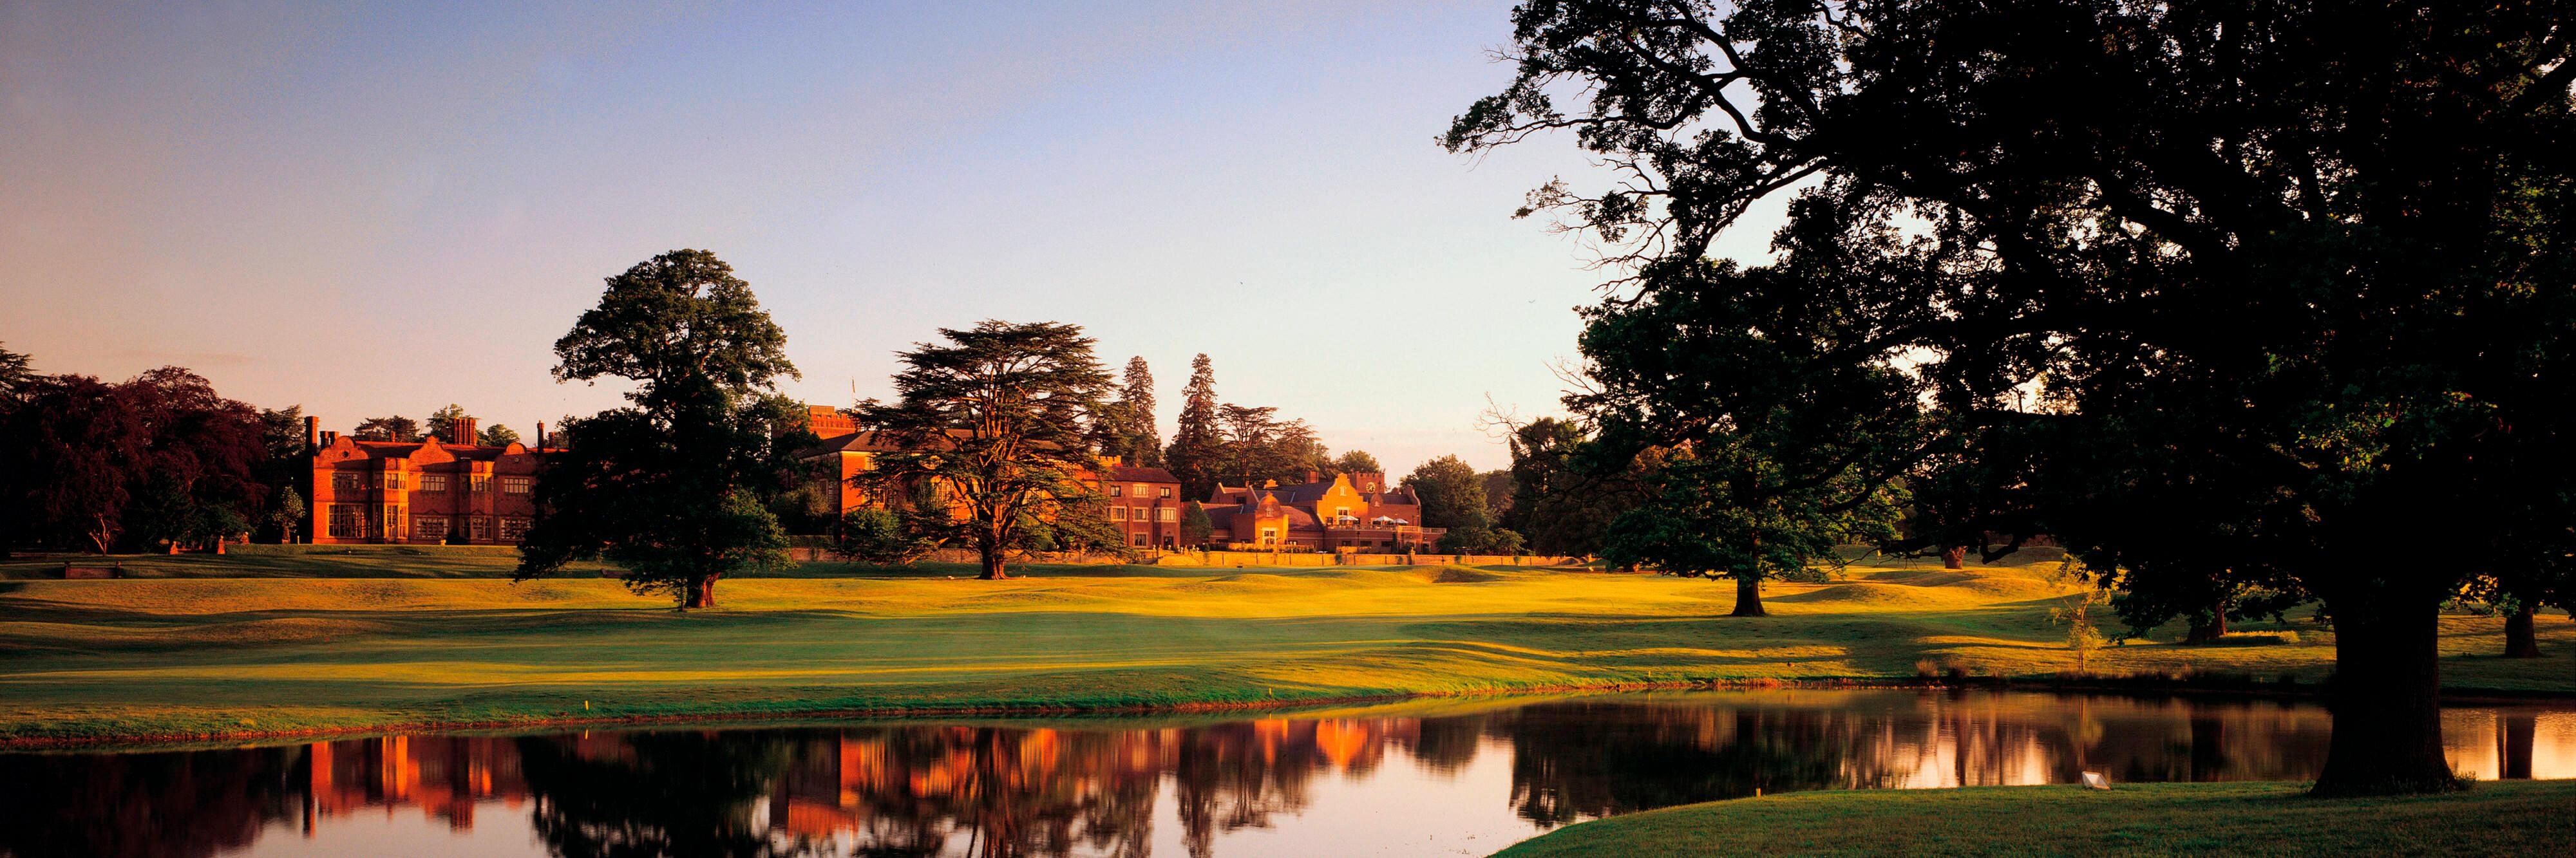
(385, 209)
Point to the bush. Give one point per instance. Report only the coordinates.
(1480, 540)
(874, 535)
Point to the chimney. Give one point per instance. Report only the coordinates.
(464, 431)
(541, 435)
(312, 434)
(330, 438)
(1314, 476)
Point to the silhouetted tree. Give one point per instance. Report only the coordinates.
(997, 418)
(672, 487)
(2300, 267)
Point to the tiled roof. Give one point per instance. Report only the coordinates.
(1132, 474)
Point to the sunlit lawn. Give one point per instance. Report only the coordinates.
(2497, 818)
(193, 655)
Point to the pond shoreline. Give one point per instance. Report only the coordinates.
(2107, 686)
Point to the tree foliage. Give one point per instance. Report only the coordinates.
(1452, 493)
(1196, 526)
(1144, 442)
(396, 428)
(672, 488)
(1195, 451)
(496, 435)
(1563, 500)
(2285, 279)
(160, 460)
(999, 418)
(1258, 447)
(1357, 462)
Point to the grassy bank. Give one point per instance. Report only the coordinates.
(328, 649)
(2498, 818)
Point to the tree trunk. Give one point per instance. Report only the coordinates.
(2520, 640)
(2386, 698)
(702, 592)
(1954, 557)
(993, 570)
(2513, 746)
(2205, 629)
(1748, 596)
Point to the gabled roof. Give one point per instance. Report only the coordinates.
(1132, 474)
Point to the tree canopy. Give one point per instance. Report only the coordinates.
(672, 488)
(1000, 418)
(395, 428)
(1195, 451)
(157, 461)
(2289, 279)
(1452, 493)
(1144, 442)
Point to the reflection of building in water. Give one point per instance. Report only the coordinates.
(444, 776)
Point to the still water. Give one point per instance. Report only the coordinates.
(1412, 781)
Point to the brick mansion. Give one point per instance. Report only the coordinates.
(454, 491)
(424, 492)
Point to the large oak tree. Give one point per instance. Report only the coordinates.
(2304, 267)
(671, 488)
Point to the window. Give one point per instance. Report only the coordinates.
(482, 525)
(513, 528)
(348, 481)
(1144, 513)
(1163, 492)
(393, 522)
(482, 484)
(1140, 490)
(514, 485)
(1117, 513)
(393, 479)
(1137, 540)
(1269, 535)
(433, 482)
(346, 523)
(1117, 491)
(429, 527)
(1167, 514)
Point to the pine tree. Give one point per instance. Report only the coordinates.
(1193, 454)
(1144, 439)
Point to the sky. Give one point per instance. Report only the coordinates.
(378, 209)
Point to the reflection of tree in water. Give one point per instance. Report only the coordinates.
(1445, 745)
(1575, 760)
(640, 794)
(1233, 776)
(912, 791)
(114, 805)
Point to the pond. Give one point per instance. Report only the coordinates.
(1427, 779)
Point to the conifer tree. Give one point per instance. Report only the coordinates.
(1195, 446)
(1145, 441)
